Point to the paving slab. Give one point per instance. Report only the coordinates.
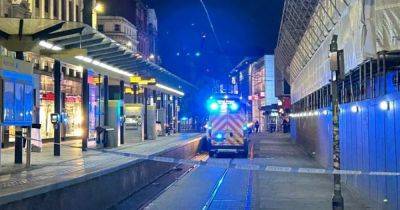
(243, 189)
(73, 166)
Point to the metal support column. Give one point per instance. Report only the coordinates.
(162, 100)
(384, 73)
(18, 146)
(168, 107)
(174, 116)
(85, 109)
(122, 96)
(57, 106)
(145, 98)
(135, 94)
(337, 74)
(106, 97)
(155, 99)
(1, 140)
(63, 125)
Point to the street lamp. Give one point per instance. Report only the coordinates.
(337, 68)
(98, 8)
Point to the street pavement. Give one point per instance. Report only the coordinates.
(48, 172)
(218, 188)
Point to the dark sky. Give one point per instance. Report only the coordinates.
(243, 27)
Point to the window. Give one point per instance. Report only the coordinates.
(117, 27)
(55, 9)
(78, 13)
(46, 5)
(100, 28)
(64, 10)
(37, 3)
(71, 10)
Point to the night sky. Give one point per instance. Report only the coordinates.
(188, 48)
(243, 27)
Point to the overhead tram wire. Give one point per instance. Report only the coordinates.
(211, 26)
(214, 32)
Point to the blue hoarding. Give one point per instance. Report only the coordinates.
(17, 98)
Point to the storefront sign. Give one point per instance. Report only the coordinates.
(137, 80)
(73, 99)
(48, 96)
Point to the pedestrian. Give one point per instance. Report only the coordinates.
(286, 125)
(257, 126)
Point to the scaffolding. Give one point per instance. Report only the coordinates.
(305, 26)
(364, 27)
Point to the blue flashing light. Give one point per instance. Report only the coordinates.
(214, 106)
(184, 118)
(219, 136)
(198, 54)
(245, 128)
(234, 106)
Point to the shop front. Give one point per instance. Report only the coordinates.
(71, 108)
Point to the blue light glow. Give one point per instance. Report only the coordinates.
(219, 136)
(214, 106)
(234, 106)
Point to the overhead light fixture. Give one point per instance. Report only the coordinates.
(49, 46)
(384, 105)
(103, 65)
(99, 8)
(164, 87)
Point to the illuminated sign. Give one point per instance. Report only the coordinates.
(128, 90)
(137, 80)
(97, 80)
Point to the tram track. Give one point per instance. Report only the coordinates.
(147, 194)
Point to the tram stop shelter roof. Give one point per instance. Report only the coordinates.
(79, 44)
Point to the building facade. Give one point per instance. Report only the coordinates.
(366, 34)
(53, 76)
(152, 27)
(145, 21)
(67, 10)
(262, 90)
(120, 30)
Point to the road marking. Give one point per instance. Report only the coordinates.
(249, 165)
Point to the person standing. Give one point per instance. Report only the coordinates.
(257, 126)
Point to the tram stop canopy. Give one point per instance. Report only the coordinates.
(79, 44)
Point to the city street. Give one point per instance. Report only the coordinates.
(216, 188)
(199, 104)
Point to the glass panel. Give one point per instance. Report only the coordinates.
(28, 103)
(8, 101)
(19, 102)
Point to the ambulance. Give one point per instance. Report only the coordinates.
(227, 126)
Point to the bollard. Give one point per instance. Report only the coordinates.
(1, 141)
(18, 147)
(28, 151)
